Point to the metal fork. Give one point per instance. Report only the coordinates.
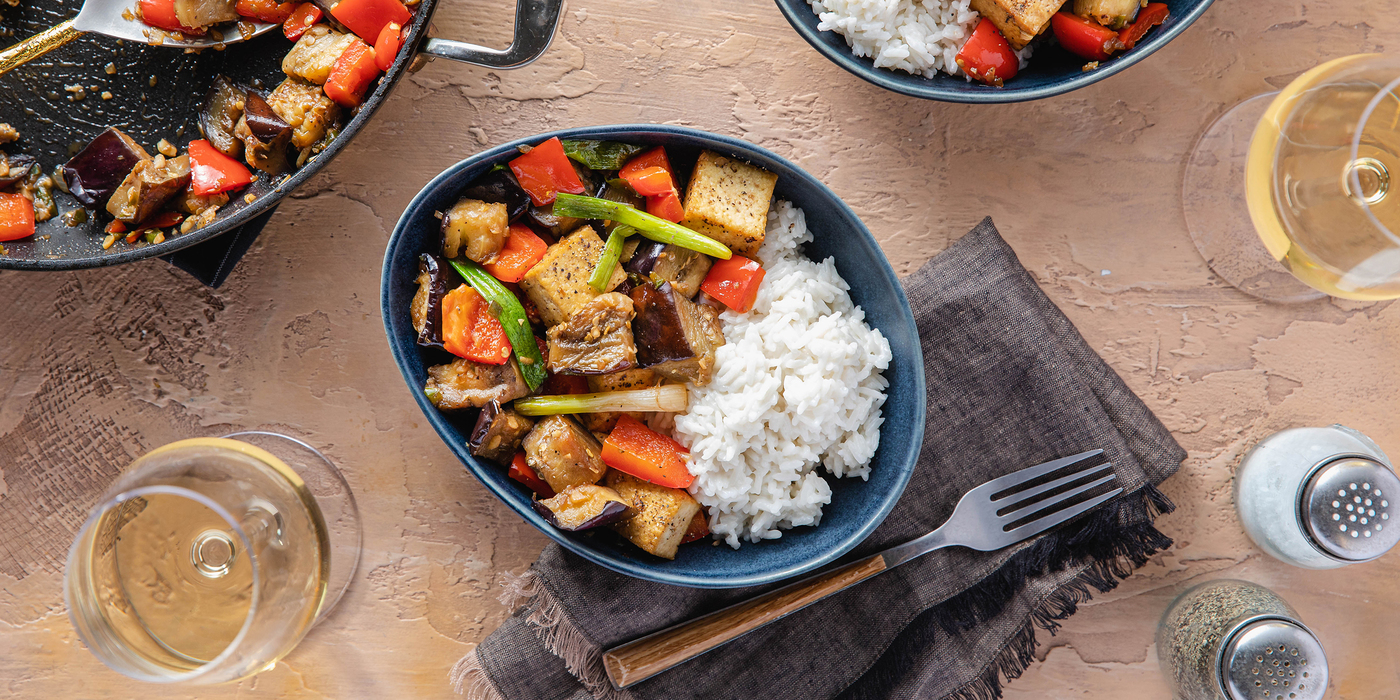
(992, 516)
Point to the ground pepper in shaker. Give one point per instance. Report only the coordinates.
(1318, 498)
(1235, 640)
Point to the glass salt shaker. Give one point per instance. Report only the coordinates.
(1235, 640)
(1318, 498)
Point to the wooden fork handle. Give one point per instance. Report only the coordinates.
(37, 45)
(639, 660)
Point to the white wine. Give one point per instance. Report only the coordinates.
(1319, 178)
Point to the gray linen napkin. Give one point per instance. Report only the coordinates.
(1011, 383)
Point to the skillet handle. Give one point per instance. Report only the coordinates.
(535, 22)
(37, 45)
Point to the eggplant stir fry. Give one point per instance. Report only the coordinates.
(340, 50)
(576, 294)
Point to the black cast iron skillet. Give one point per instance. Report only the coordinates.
(156, 93)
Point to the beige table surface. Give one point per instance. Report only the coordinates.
(98, 366)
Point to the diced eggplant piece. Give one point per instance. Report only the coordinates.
(315, 53)
(624, 381)
(96, 172)
(558, 284)
(595, 339)
(197, 14)
(464, 384)
(685, 269)
(476, 229)
(269, 157)
(675, 338)
(584, 507)
(148, 187)
(306, 108)
(665, 516)
(222, 110)
(587, 177)
(265, 123)
(545, 218)
(564, 454)
(498, 433)
(728, 200)
(191, 203)
(15, 168)
(1114, 14)
(500, 187)
(426, 308)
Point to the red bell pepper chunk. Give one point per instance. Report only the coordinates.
(646, 454)
(368, 17)
(521, 471)
(16, 216)
(1084, 37)
(546, 171)
(470, 330)
(212, 172)
(642, 174)
(1152, 15)
(386, 47)
(987, 56)
(270, 11)
(699, 528)
(351, 75)
(520, 253)
(115, 227)
(161, 15)
(667, 206)
(302, 18)
(734, 282)
(650, 158)
(652, 181)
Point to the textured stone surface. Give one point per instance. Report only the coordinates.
(99, 366)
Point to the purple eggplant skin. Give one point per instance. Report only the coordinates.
(657, 328)
(262, 121)
(500, 187)
(498, 433)
(427, 303)
(223, 107)
(18, 168)
(96, 172)
(603, 506)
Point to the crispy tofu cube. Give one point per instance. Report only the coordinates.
(558, 284)
(315, 54)
(1019, 20)
(664, 518)
(306, 108)
(728, 200)
(564, 454)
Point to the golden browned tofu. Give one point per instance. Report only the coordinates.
(564, 454)
(465, 384)
(728, 200)
(305, 107)
(1019, 20)
(558, 284)
(148, 187)
(664, 518)
(315, 53)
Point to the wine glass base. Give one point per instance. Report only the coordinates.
(1212, 197)
(333, 497)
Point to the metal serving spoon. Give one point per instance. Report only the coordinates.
(115, 18)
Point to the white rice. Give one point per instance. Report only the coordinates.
(797, 384)
(916, 36)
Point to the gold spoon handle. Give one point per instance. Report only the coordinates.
(37, 45)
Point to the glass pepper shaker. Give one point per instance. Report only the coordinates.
(1318, 498)
(1235, 640)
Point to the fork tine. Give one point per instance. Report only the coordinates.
(1036, 527)
(1058, 498)
(1029, 494)
(1020, 477)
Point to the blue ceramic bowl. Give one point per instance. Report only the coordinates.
(856, 506)
(1052, 70)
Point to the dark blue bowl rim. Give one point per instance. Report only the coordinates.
(796, 11)
(625, 566)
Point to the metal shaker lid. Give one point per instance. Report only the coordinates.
(1273, 659)
(1345, 508)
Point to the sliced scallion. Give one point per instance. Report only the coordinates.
(671, 398)
(653, 227)
(607, 262)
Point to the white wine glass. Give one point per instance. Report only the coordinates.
(209, 559)
(1288, 195)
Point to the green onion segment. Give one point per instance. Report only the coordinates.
(512, 317)
(670, 398)
(653, 227)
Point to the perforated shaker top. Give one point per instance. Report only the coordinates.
(1274, 659)
(1346, 509)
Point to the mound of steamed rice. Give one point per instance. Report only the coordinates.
(797, 384)
(916, 36)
